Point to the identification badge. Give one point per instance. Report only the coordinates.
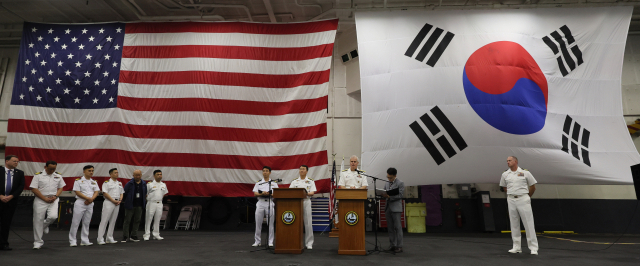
(137, 195)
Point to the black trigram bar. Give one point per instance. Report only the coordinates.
(448, 126)
(585, 157)
(442, 140)
(570, 140)
(431, 41)
(564, 50)
(428, 144)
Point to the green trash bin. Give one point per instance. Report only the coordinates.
(415, 214)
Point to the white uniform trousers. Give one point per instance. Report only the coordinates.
(81, 213)
(520, 207)
(40, 209)
(263, 210)
(154, 212)
(308, 223)
(109, 217)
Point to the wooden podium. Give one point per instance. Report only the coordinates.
(352, 221)
(288, 219)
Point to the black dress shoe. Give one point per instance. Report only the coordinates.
(390, 249)
(125, 239)
(7, 248)
(398, 250)
(134, 239)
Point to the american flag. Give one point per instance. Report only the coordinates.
(207, 103)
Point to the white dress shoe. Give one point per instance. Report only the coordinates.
(513, 250)
(309, 247)
(101, 243)
(255, 245)
(534, 252)
(158, 237)
(73, 245)
(87, 244)
(45, 230)
(111, 241)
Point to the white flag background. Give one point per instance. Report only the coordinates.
(448, 95)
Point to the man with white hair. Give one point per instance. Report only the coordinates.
(519, 185)
(351, 177)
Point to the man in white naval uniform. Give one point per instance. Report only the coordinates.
(47, 186)
(519, 185)
(86, 190)
(156, 190)
(112, 191)
(307, 183)
(264, 206)
(350, 178)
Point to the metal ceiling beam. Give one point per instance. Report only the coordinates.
(165, 18)
(113, 10)
(488, 6)
(245, 8)
(267, 5)
(13, 13)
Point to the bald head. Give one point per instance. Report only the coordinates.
(137, 175)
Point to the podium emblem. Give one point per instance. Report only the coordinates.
(288, 217)
(351, 218)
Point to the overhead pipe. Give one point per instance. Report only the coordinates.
(245, 8)
(267, 5)
(160, 18)
(312, 5)
(492, 6)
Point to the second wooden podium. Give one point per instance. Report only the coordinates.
(352, 221)
(289, 220)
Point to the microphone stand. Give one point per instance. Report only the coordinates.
(376, 249)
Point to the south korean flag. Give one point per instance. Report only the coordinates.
(447, 96)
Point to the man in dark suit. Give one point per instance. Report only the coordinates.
(393, 210)
(11, 185)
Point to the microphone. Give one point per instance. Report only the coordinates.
(359, 172)
(277, 180)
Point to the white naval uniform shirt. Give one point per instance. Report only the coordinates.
(264, 186)
(306, 183)
(350, 178)
(156, 190)
(517, 182)
(47, 184)
(113, 188)
(86, 187)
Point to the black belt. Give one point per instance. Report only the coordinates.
(516, 196)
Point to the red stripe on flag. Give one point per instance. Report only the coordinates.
(167, 132)
(229, 52)
(169, 159)
(222, 106)
(202, 189)
(232, 27)
(225, 78)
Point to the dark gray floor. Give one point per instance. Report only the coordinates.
(234, 248)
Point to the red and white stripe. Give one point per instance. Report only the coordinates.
(207, 103)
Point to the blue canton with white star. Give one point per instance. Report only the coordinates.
(69, 66)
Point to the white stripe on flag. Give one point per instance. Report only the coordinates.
(228, 65)
(230, 39)
(167, 118)
(239, 93)
(190, 174)
(196, 146)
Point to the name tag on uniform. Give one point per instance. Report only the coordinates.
(520, 174)
(137, 195)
